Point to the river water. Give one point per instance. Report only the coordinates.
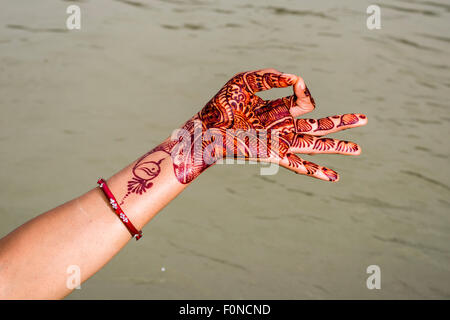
(76, 105)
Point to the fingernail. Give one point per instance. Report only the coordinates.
(331, 174)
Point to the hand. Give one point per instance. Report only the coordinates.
(237, 107)
(260, 130)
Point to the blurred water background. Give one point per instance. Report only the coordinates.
(76, 105)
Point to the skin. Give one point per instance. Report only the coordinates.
(236, 123)
(237, 109)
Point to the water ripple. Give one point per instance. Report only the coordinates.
(30, 29)
(413, 44)
(208, 257)
(424, 178)
(419, 246)
(285, 11)
(410, 10)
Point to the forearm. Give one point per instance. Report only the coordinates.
(84, 232)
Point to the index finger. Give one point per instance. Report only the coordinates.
(266, 79)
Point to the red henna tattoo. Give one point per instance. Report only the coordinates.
(311, 168)
(237, 123)
(348, 119)
(257, 82)
(143, 173)
(302, 141)
(325, 124)
(294, 161)
(347, 147)
(329, 124)
(308, 94)
(303, 125)
(324, 144)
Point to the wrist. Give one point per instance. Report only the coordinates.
(149, 183)
(191, 150)
(146, 186)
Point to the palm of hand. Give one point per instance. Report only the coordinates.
(237, 112)
(237, 107)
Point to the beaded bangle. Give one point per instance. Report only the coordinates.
(119, 212)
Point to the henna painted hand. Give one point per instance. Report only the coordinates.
(260, 130)
(237, 107)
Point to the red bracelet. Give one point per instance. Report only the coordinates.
(123, 217)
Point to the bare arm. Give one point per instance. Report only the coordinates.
(85, 232)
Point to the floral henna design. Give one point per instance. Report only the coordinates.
(302, 141)
(239, 124)
(301, 166)
(297, 162)
(348, 119)
(325, 124)
(311, 168)
(257, 82)
(303, 125)
(143, 174)
(324, 144)
(294, 161)
(347, 147)
(308, 94)
(329, 124)
(144, 171)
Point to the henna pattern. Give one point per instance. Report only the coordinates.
(303, 125)
(347, 147)
(325, 124)
(311, 168)
(143, 173)
(324, 144)
(302, 141)
(294, 161)
(348, 119)
(308, 94)
(254, 123)
(257, 82)
(331, 174)
(328, 124)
